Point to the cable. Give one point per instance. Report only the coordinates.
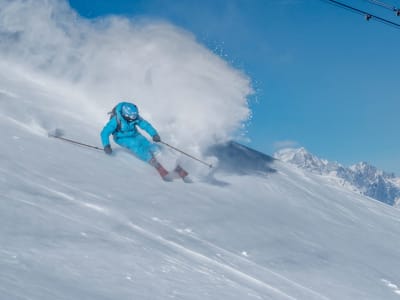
(368, 16)
(385, 5)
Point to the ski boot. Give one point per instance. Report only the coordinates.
(183, 174)
(161, 170)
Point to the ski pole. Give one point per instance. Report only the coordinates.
(192, 157)
(74, 142)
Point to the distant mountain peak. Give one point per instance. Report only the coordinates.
(305, 160)
(362, 177)
(363, 166)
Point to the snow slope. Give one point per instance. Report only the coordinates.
(77, 224)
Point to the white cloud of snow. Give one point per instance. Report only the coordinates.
(192, 96)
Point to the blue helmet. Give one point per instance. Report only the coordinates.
(129, 112)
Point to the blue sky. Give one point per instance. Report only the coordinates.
(324, 78)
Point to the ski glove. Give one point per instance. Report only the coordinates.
(156, 138)
(107, 149)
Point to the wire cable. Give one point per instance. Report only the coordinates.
(368, 16)
(385, 5)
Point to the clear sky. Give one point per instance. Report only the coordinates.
(324, 77)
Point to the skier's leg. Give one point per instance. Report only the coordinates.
(160, 169)
(144, 150)
(139, 146)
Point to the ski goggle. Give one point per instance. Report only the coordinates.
(131, 117)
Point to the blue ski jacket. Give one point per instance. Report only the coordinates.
(126, 134)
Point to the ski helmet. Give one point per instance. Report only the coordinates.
(129, 111)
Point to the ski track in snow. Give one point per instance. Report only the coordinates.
(395, 288)
(237, 275)
(310, 294)
(234, 261)
(32, 127)
(253, 283)
(234, 272)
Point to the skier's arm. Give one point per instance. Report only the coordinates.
(108, 129)
(146, 126)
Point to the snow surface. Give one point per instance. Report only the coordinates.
(77, 224)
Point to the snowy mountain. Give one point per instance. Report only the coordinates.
(305, 160)
(361, 177)
(78, 224)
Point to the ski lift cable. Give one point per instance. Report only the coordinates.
(367, 15)
(385, 5)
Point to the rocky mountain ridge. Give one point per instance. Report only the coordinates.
(361, 177)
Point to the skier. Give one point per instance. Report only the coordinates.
(122, 125)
